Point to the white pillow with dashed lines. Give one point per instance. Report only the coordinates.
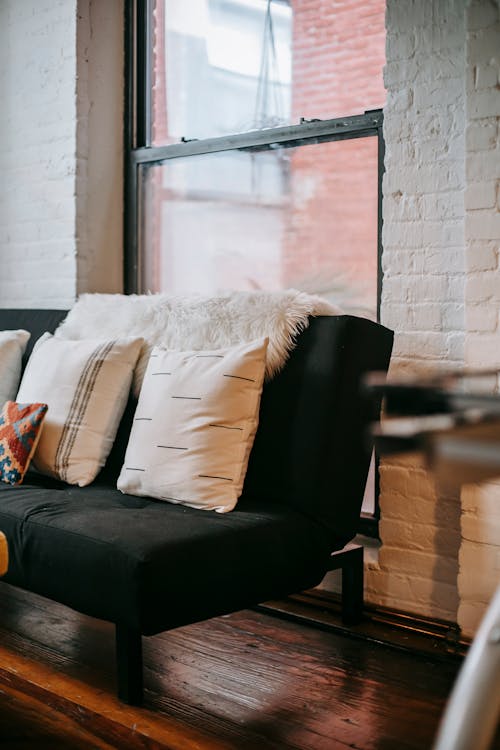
(195, 425)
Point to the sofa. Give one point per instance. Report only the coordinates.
(149, 566)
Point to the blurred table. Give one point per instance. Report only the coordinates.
(458, 432)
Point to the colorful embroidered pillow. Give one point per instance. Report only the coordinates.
(20, 428)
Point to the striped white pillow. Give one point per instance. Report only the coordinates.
(195, 425)
(85, 385)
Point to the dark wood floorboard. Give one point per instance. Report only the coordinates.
(247, 681)
(26, 723)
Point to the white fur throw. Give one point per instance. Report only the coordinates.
(196, 321)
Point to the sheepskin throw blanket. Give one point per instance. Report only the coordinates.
(196, 322)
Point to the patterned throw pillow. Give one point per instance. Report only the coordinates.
(195, 425)
(20, 428)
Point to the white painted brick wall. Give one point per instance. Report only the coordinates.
(423, 291)
(37, 149)
(442, 286)
(480, 549)
(417, 567)
(61, 150)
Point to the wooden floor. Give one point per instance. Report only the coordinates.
(249, 681)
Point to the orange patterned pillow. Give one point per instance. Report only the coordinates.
(20, 428)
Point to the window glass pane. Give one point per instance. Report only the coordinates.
(299, 217)
(228, 66)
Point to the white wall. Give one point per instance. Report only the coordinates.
(37, 152)
(424, 279)
(440, 555)
(61, 123)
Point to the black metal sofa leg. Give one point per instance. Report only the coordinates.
(350, 561)
(352, 586)
(129, 665)
(129, 640)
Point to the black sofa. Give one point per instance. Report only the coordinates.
(149, 566)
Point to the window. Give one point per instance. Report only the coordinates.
(255, 150)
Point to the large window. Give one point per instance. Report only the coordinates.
(255, 149)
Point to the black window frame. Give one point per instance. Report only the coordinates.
(139, 152)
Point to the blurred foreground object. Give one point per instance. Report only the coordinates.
(4, 554)
(458, 431)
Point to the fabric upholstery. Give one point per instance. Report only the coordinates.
(86, 386)
(195, 425)
(150, 564)
(313, 447)
(155, 565)
(37, 322)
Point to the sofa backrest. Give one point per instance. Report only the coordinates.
(312, 448)
(34, 321)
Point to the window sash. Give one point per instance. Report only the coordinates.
(366, 125)
(139, 152)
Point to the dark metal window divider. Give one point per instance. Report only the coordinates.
(140, 153)
(290, 136)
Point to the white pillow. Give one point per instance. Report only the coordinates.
(12, 346)
(85, 385)
(194, 426)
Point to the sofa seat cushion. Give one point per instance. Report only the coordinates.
(152, 565)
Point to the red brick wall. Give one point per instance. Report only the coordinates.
(338, 57)
(331, 237)
(338, 52)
